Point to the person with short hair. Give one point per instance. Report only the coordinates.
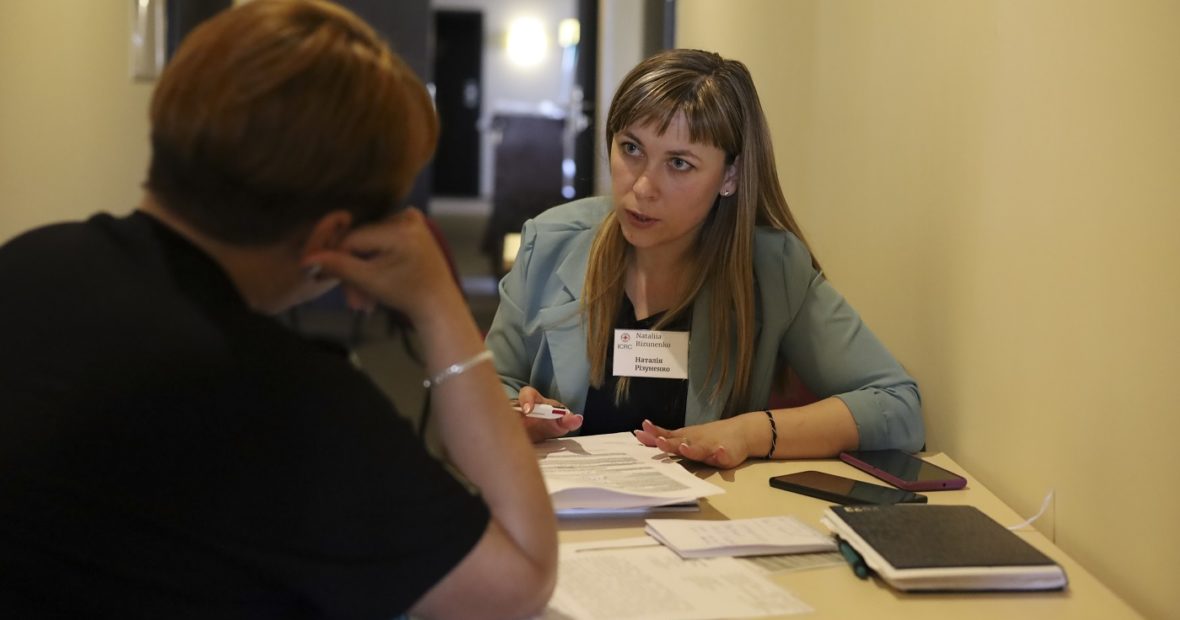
(169, 450)
(672, 307)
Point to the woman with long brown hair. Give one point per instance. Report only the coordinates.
(671, 307)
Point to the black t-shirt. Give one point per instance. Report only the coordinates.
(165, 452)
(660, 400)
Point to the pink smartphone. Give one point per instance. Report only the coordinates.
(903, 470)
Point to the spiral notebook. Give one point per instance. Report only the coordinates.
(922, 547)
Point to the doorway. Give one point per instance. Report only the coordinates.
(458, 67)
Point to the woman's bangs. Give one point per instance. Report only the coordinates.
(705, 125)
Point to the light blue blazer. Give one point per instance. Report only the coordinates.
(538, 337)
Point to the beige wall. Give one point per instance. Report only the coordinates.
(996, 186)
(993, 184)
(73, 125)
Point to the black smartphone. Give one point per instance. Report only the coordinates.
(904, 470)
(843, 490)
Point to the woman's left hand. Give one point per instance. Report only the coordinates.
(722, 444)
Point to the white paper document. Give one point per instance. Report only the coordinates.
(637, 579)
(641, 511)
(794, 561)
(738, 537)
(603, 472)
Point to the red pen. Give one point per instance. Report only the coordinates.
(547, 412)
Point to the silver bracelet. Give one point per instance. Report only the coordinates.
(457, 369)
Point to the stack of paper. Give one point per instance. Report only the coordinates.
(604, 473)
(738, 537)
(637, 579)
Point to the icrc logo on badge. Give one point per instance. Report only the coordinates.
(649, 353)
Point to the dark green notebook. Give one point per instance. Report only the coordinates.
(923, 547)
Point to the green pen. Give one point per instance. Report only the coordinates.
(853, 558)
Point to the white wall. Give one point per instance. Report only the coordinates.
(620, 27)
(73, 125)
(995, 186)
(507, 86)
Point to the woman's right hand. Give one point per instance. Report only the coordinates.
(539, 430)
(396, 262)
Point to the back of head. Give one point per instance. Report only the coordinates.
(275, 112)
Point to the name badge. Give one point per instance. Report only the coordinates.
(648, 353)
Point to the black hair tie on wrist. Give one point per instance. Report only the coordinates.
(773, 435)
